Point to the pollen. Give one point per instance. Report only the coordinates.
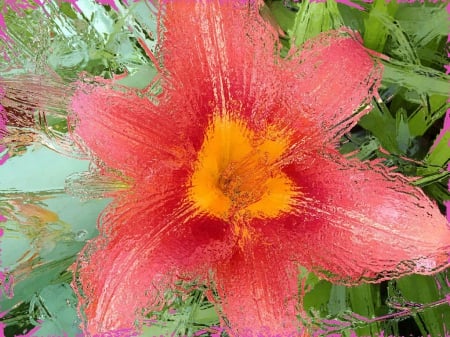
(238, 176)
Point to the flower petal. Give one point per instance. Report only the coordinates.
(207, 46)
(337, 76)
(125, 131)
(360, 221)
(257, 290)
(149, 246)
(224, 57)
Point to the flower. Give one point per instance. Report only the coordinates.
(235, 179)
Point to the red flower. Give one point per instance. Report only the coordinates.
(235, 179)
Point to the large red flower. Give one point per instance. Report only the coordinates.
(235, 179)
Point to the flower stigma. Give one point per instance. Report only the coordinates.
(237, 176)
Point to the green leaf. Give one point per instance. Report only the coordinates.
(440, 154)
(415, 77)
(365, 300)
(313, 18)
(423, 118)
(139, 77)
(417, 291)
(423, 24)
(376, 30)
(383, 126)
(283, 15)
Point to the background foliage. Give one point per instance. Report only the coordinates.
(50, 217)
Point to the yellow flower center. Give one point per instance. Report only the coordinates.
(237, 175)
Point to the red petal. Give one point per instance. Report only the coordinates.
(211, 64)
(358, 220)
(257, 291)
(337, 76)
(146, 244)
(125, 131)
(223, 57)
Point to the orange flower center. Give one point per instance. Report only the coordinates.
(237, 175)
